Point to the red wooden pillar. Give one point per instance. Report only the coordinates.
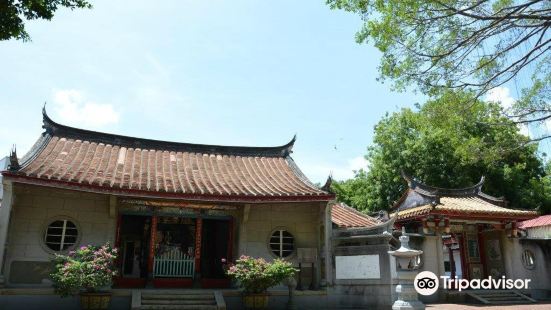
(198, 237)
(152, 234)
(463, 254)
(482, 252)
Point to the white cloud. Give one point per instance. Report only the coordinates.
(524, 129)
(72, 107)
(501, 95)
(358, 163)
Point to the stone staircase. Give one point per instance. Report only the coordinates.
(177, 300)
(500, 297)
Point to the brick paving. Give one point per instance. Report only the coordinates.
(538, 306)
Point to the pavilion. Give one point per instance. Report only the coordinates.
(463, 233)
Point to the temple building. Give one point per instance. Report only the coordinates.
(463, 233)
(175, 210)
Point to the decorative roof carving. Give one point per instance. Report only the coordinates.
(14, 162)
(327, 186)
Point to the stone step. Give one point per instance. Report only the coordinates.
(178, 307)
(510, 302)
(177, 302)
(178, 296)
(498, 295)
(503, 298)
(177, 291)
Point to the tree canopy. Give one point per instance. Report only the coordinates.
(13, 13)
(440, 45)
(449, 150)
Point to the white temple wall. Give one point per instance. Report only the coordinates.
(540, 273)
(34, 208)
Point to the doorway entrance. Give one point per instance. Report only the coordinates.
(215, 251)
(170, 250)
(134, 232)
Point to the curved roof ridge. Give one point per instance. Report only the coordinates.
(59, 159)
(55, 129)
(434, 191)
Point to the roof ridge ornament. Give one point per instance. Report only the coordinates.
(327, 186)
(288, 148)
(14, 162)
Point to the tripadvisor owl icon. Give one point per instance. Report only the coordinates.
(426, 283)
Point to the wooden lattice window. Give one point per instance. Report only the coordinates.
(282, 243)
(61, 235)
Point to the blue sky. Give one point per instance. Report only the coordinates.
(215, 72)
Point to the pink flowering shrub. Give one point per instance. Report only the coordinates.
(89, 268)
(256, 275)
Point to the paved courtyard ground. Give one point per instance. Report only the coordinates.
(539, 306)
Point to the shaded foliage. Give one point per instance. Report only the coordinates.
(14, 12)
(449, 150)
(440, 45)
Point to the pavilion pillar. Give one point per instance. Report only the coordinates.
(452, 262)
(151, 256)
(5, 214)
(482, 250)
(198, 237)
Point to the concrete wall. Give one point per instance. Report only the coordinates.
(370, 293)
(302, 220)
(540, 286)
(33, 209)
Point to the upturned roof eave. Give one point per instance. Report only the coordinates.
(53, 128)
(52, 183)
(469, 215)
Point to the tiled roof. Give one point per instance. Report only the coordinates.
(72, 157)
(466, 207)
(421, 200)
(345, 216)
(544, 220)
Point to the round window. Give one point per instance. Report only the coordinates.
(282, 243)
(61, 235)
(528, 259)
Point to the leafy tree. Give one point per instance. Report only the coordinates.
(449, 150)
(12, 13)
(462, 45)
